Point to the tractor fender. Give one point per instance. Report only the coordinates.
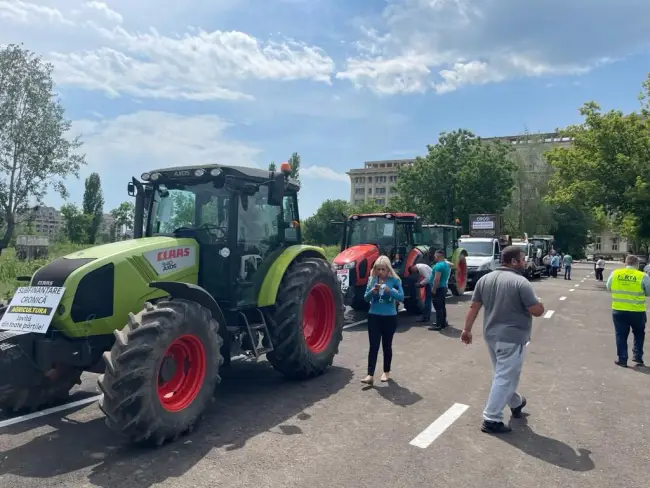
(269, 290)
(195, 293)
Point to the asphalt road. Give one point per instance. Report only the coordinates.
(588, 423)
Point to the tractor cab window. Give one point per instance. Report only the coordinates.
(258, 232)
(290, 214)
(199, 207)
(372, 230)
(434, 237)
(450, 240)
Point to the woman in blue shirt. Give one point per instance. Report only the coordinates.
(383, 292)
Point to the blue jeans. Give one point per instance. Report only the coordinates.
(567, 272)
(507, 363)
(623, 322)
(428, 298)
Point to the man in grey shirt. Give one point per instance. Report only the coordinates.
(510, 304)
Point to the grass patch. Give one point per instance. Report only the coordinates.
(11, 268)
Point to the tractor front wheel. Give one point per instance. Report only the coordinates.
(306, 322)
(161, 372)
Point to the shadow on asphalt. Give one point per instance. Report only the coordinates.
(546, 449)
(451, 332)
(398, 395)
(252, 399)
(641, 369)
(75, 396)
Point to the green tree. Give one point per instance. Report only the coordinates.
(76, 223)
(123, 216)
(459, 176)
(93, 205)
(183, 210)
(607, 168)
(318, 229)
(294, 162)
(35, 154)
(272, 166)
(571, 229)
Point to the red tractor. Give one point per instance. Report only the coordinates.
(403, 238)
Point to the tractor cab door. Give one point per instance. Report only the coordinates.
(449, 238)
(261, 233)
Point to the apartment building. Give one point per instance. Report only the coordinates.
(375, 182)
(608, 244)
(46, 221)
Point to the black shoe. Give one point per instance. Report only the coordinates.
(435, 327)
(516, 412)
(490, 427)
(638, 362)
(622, 364)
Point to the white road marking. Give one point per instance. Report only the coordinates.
(577, 285)
(48, 411)
(572, 289)
(562, 298)
(549, 314)
(425, 438)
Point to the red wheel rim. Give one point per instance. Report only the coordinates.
(461, 273)
(188, 355)
(318, 318)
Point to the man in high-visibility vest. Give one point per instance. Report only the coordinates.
(629, 288)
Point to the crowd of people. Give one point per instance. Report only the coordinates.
(509, 303)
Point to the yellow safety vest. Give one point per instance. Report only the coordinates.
(627, 290)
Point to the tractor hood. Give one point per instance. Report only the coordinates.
(356, 253)
(112, 280)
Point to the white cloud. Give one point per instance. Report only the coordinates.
(105, 10)
(323, 173)
(128, 145)
(195, 65)
(25, 13)
(418, 45)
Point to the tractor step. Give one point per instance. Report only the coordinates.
(260, 326)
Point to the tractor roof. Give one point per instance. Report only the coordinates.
(397, 215)
(256, 175)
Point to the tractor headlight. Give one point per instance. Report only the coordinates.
(145, 176)
(199, 172)
(350, 265)
(155, 176)
(215, 172)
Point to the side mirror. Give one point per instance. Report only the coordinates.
(277, 188)
(130, 188)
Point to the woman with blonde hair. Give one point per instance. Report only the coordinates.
(383, 292)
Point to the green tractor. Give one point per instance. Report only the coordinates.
(216, 270)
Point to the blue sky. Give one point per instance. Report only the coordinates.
(151, 84)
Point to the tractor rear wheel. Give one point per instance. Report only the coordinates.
(306, 322)
(459, 270)
(161, 372)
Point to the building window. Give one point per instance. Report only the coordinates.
(380, 201)
(597, 244)
(380, 191)
(614, 243)
(369, 191)
(360, 191)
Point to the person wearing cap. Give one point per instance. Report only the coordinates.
(439, 281)
(629, 288)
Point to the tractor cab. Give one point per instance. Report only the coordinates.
(365, 238)
(240, 217)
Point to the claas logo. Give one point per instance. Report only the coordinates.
(180, 252)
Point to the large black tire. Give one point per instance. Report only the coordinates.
(51, 390)
(304, 281)
(130, 385)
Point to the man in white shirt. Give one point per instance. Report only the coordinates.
(600, 267)
(422, 272)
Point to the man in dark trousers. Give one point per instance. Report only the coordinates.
(510, 304)
(629, 287)
(439, 281)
